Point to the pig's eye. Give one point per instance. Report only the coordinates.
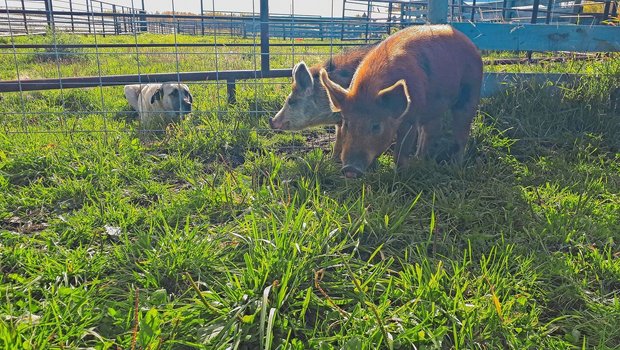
(376, 128)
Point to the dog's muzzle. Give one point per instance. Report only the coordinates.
(186, 108)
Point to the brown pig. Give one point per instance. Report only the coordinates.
(307, 105)
(401, 90)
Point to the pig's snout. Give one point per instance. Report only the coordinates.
(276, 124)
(351, 171)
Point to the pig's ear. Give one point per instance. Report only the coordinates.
(132, 93)
(302, 77)
(395, 99)
(336, 93)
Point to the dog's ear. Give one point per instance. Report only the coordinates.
(191, 98)
(158, 95)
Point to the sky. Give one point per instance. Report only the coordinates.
(305, 7)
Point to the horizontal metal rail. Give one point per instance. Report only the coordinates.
(492, 84)
(139, 15)
(115, 80)
(206, 45)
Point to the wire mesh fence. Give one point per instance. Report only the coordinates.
(65, 78)
(365, 19)
(66, 75)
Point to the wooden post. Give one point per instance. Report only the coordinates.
(438, 11)
(264, 36)
(231, 91)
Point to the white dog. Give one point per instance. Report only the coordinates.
(159, 104)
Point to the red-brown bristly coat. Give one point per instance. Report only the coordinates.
(342, 67)
(429, 70)
(308, 105)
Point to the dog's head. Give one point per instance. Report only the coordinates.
(174, 97)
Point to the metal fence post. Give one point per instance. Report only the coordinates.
(71, 10)
(49, 13)
(25, 19)
(473, 10)
(102, 18)
(549, 11)
(344, 5)
(143, 23)
(438, 11)
(577, 9)
(369, 11)
(115, 20)
(88, 9)
(533, 20)
(264, 36)
(124, 19)
(389, 20)
(202, 19)
(606, 10)
(535, 11)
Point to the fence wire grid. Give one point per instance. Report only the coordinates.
(64, 62)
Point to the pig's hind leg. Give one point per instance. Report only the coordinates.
(463, 113)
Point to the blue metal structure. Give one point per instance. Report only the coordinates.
(504, 31)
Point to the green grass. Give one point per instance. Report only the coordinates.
(218, 236)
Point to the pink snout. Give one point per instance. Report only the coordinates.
(351, 171)
(279, 124)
